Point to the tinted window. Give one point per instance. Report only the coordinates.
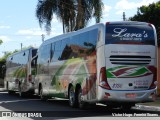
(57, 51)
(45, 53)
(58, 46)
(129, 34)
(64, 43)
(84, 37)
(66, 49)
(57, 56)
(80, 45)
(52, 50)
(84, 44)
(93, 36)
(18, 59)
(75, 39)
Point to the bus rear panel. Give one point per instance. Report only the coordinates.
(130, 63)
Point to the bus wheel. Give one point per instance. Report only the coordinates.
(81, 103)
(21, 94)
(72, 101)
(42, 97)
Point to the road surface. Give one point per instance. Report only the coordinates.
(35, 108)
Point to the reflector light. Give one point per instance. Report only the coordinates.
(103, 79)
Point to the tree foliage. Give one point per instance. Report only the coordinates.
(3, 64)
(150, 14)
(4, 57)
(1, 41)
(74, 14)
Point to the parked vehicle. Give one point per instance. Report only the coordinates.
(20, 72)
(113, 63)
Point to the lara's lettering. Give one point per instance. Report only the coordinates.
(122, 33)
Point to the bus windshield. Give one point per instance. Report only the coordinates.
(130, 34)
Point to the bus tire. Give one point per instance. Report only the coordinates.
(72, 97)
(21, 94)
(42, 97)
(81, 103)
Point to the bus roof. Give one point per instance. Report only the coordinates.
(127, 23)
(22, 51)
(69, 34)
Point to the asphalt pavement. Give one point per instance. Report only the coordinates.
(154, 106)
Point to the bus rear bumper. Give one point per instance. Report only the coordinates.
(13, 86)
(28, 88)
(126, 96)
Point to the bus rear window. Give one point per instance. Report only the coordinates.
(130, 34)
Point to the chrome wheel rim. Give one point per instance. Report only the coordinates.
(71, 97)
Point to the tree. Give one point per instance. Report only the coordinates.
(3, 65)
(150, 14)
(74, 14)
(1, 41)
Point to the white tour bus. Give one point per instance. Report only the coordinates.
(113, 63)
(20, 69)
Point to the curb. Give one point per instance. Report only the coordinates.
(2, 89)
(147, 107)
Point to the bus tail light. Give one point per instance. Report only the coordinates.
(103, 79)
(30, 78)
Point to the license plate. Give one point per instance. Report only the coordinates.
(131, 95)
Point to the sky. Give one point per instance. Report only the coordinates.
(18, 23)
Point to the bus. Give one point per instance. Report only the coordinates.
(113, 63)
(20, 72)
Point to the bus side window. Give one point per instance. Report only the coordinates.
(57, 51)
(52, 51)
(66, 49)
(45, 54)
(74, 42)
(93, 36)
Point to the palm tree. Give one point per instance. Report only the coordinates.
(74, 14)
(86, 9)
(66, 14)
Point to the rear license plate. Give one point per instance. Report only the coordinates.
(131, 95)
